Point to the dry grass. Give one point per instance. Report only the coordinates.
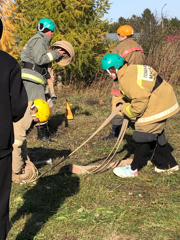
(165, 59)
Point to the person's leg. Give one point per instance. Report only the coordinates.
(5, 189)
(163, 159)
(142, 142)
(141, 149)
(51, 89)
(20, 129)
(43, 131)
(116, 127)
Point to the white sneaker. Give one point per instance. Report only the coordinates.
(124, 172)
(169, 170)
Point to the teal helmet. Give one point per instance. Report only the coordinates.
(46, 23)
(112, 60)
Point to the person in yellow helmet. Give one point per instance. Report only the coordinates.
(149, 100)
(132, 53)
(39, 112)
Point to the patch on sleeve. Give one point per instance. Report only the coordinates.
(146, 73)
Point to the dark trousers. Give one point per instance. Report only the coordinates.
(162, 157)
(5, 189)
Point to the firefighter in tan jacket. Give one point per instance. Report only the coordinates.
(149, 100)
(132, 53)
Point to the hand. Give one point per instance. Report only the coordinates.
(52, 79)
(61, 51)
(35, 119)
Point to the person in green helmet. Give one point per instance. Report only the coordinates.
(35, 57)
(149, 100)
(132, 53)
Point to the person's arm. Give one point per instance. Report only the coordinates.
(40, 55)
(18, 95)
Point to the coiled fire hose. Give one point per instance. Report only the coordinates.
(68, 57)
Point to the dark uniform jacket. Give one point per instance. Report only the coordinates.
(13, 101)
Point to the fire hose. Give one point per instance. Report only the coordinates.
(65, 60)
(106, 163)
(68, 57)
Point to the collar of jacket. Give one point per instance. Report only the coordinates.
(127, 39)
(122, 70)
(46, 37)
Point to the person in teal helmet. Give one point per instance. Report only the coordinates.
(46, 23)
(149, 101)
(36, 58)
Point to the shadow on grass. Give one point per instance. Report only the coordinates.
(41, 153)
(43, 200)
(55, 121)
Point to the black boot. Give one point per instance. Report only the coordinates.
(113, 134)
(43, 132)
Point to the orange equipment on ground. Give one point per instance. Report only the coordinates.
(69, 114)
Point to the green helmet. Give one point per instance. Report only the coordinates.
(46, 23)
(112, 60)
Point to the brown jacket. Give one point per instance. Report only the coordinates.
(134, 56)
(146, 104)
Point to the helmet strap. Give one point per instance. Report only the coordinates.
(32, 107)
(40, 27)
(108, 71)
(111, 74)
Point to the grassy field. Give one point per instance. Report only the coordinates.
(66, 206)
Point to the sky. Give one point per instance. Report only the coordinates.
(126, 8)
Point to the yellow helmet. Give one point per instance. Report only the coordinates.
(125, 30)
(43, 112)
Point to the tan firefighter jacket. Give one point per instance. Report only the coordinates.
(150, 98)
(131, 51)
